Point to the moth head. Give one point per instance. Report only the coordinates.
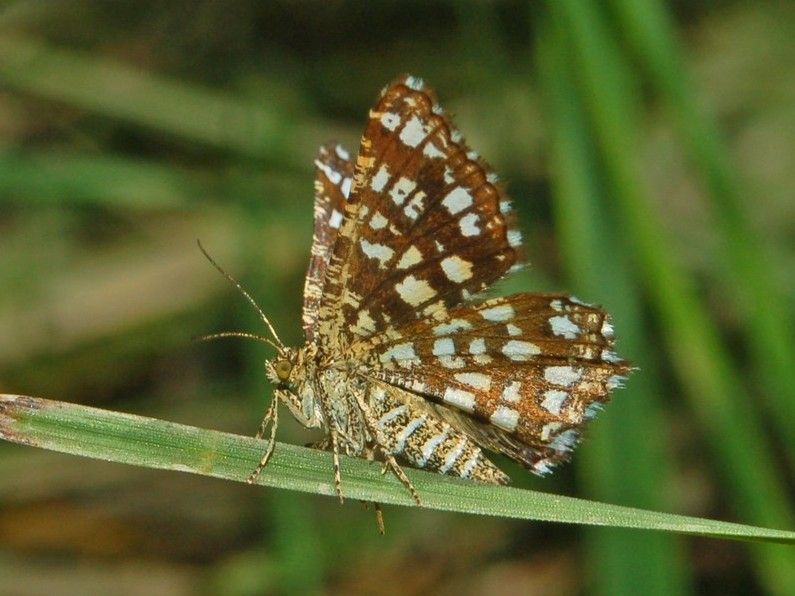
(282, 368)
(292, 386)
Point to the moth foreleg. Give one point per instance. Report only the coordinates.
(265, 420)
(272, 417)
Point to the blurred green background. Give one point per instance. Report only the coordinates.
(650, 149)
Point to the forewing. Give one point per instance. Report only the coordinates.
(520, 374)
(333, 178)
(426, 226)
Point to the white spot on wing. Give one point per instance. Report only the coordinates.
(563, 326)
(459, 398)
(607, 329)
(443, 347)
(345, 187)
(333, 175)
(414, 83)
(457, 200)
(520, 350)
(335, 220)
(469, 224)
(415, 206)
(414, 291)
(403, 351)
(378, 221)
(342, 153)
(553, 400)
(501, 312)
(401, 189)
(432, 151)
(411, 257)
(365, 325)
(505, 418)
(565, 440)
(473, 379)
(510, 393)
(477, 346)
(514, 238)
(380, 179)
(457, 269)
(389, 120)
(413, 132)
(377, 251)
(513, 329)
(452, 326)
(562, 375)
(483, 359)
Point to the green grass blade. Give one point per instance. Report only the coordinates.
(731, 423)
(619, 463)
(55, 178)
(156, 102)
(148, 442)
(768, 317)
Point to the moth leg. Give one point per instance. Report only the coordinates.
(265, 420)
(390, 463)
(335, 448)
(379, 518)
(272, 417)
(370, 454)
(323, 444)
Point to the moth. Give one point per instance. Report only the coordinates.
(403, 363)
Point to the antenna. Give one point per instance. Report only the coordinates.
(238, 334)
(280, 347)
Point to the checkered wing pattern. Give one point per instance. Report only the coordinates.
(333, 179)
(398, 358)
(520, 375)
(425, 227)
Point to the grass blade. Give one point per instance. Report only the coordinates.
(768, 319)
(148, 442)
(155, 102)
(619, 463)
(731, 423)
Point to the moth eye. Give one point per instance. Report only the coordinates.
(283, 369)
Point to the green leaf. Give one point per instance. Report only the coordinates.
(148, 442)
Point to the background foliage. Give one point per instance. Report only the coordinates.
(649, 148)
